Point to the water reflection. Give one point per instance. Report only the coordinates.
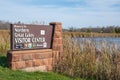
(99, 43)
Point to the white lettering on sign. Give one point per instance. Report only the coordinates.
(19, 35)
(19, 26)
(22, 40)
(29, 35)
(21, 30)
(38, 39)
(42, 32)
(39, 45)
(43, 39)
(44, 44)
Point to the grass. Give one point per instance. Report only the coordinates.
(6, 74)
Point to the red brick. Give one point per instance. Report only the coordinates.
(57, 40)
(19, 65)
(55, 47)
(12, 66)
(16, 58)
(38, 56)
(43, 56)
(61, 53)
(58, 47)
(50, 61)
(29, 63)
(49, 55)
(27, 56)
(37, 62)
(49, 67)
(58, 30)
(60, 41)
(58, 27)
(55, 54)
(57, 35)
(45, 61)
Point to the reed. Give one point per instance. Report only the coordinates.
(91, 34)
(4, 41)
(85, 60)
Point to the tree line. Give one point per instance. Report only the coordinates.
(104, 29)
(5, 25)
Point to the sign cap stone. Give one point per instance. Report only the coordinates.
(55, 23)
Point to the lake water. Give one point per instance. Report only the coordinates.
(101, 42)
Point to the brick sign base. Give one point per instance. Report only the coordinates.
(31, 60)
(38, 60)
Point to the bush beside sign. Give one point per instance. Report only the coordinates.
(31, 36)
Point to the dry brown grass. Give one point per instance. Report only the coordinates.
(4, 41)
(89, 62)
(84, 34)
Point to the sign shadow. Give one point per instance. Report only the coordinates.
(3, 61)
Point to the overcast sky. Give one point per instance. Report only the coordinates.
(76, 13)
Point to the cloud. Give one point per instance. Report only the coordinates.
(80, 13)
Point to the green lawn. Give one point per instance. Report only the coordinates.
(7, 74)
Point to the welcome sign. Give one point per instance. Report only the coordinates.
(24, 36)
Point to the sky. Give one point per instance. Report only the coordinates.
(72, 13)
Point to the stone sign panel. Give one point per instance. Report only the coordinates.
(25, 36)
